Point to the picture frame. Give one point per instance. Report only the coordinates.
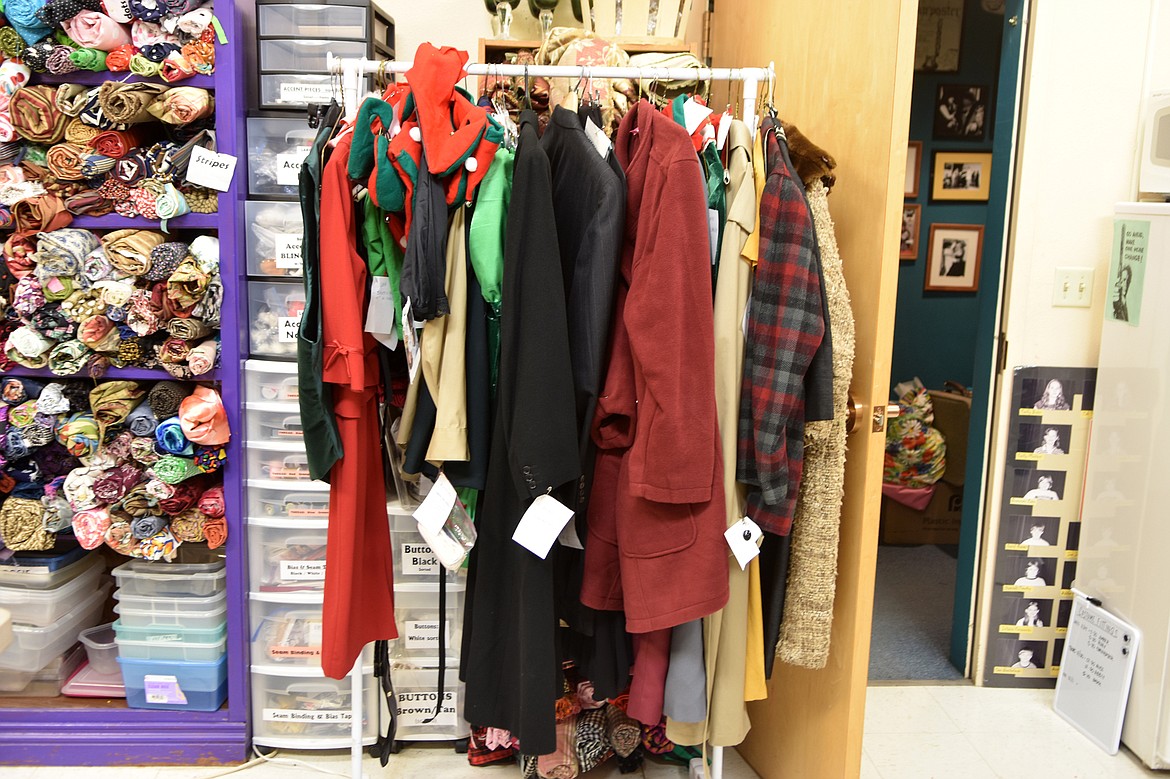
(911, 228)
(938, 40)
(961, 112)
(913, 168)
(961, 175)
(953, 258)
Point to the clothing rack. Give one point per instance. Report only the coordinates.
(352, 72)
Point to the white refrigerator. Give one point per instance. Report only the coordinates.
(1124, 554)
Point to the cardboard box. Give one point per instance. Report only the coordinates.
(937, 524)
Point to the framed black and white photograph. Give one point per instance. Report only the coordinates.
(911, 226)
(953, 258)
(960, 112)
(913, 168)
(1040, 438)
(1039, 534)
(1026, 612)
(1026, 655)
(939, 34)
(1038, 485)
(961, 176)
(1027, 571)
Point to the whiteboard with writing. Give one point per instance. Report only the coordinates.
(1095, 674)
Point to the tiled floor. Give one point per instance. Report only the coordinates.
(911, 732)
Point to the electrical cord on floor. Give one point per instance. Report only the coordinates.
(261, 759)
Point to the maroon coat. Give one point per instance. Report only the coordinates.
(656, 515)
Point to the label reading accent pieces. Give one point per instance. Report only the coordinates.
(306, 93)
(744, 537)
(541, 525)
(287, 248)
(288, 166)
(164, 689)
(289, 328)
(211, 169)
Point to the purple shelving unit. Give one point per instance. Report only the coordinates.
(102, 734)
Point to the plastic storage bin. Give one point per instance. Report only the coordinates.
(101, 648)
(171, 580)
(276, 149)
(287, 559)
(274, 317)
(187, 651)
(417, 691)
(281, 500)
(155, 684)
(266, 381)
(416, 612)
(414, 561)
(45, 683)
(42, 570)
(297, 55)
(286, 634)
(44, 607)
(309, 708)
(190, 613)
(271, 422)
(311, 21)
(279, 462)
(165, 634)
(274, 232)
(33, 647)
(296, 90)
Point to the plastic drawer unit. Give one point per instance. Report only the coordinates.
(287, 463)
(272, 422)
(414, 562)
(308, 710)
(287, 556)
(299, 55)
(266, 381)
(274, 317)
(417, 692)
(183, 686)
(416, 612)
(186, 651)
(277, 148)
(44, 607)
(311, 20)
(192, 613)
(278, 499)
(275, 230)
(164, 634)
(43, 570)
(33, 648)
(170, 580)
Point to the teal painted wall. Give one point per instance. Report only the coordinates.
(935, 332)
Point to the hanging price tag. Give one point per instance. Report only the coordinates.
(541, 524)
(211, 169)
(410, 341)
(380, 313)
(433, 512)
(744, 539)
(724, 128)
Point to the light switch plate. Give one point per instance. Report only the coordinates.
(1073, 287)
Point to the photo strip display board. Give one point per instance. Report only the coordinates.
(1039, 525)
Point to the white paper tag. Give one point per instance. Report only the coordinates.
(744, 538)
(308, 715)
(287, 248)
(713, 232)
(380, 313)
(424, 633)
(211, 169)
(569, 537)
(302, 570)
(290, 327)
(597, 136)
(164, 689)
(541, 525)
(417, 706)
(432, 513)
(419, 560)
(288, 166)
(693, 114)
(724, 128)
(410, 341)
(297, 92)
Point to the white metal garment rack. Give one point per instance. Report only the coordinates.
(352, 72)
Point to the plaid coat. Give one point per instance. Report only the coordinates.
(787, 346)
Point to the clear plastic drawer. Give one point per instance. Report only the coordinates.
(309, 709)
(287, 558)
(274, 234)
(274, 422)
(280, 462)
(274, 499)
(274, 317)
(270, 381)
(277, 148)
(297, 55)
(311, 21)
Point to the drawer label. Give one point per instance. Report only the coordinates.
(306, 93)
(288, 166)
(424, 633)
(300, 715)
(289, 328)
(164, 689)
(294, 651)
(162, 638)
(302, 570)
(419, 560)
(417, 706)
(288, 251)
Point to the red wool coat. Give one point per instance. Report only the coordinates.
(656, 515)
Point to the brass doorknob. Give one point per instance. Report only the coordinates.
(852, 411)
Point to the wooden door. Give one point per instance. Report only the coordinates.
(844, 72)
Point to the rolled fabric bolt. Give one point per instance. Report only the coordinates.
(70, 98)
(145, 527)
(137, 503)
(120, 536)
(22, 525)
(35, 115)
(211, 502)
(216, 532)
(90, 526)
(113, 400)
(188, 527)
(182, 105)
(59, 62)
(209, 459)
(52, 399)
(203, 417)
(144, 33)
(201, 358)
(89, 59)
(78, 488)
(128, 102)
(141, 66)
(118, 60)
(188, 329)
(164, 399)
(95, 30)
(176, 67)
(173, 469)
(149, 10)
(170, 438)
(183, 497)
(141, 421)
(143, 451)
(161, 546)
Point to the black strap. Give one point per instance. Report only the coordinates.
(385, 744)
(442, 644)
